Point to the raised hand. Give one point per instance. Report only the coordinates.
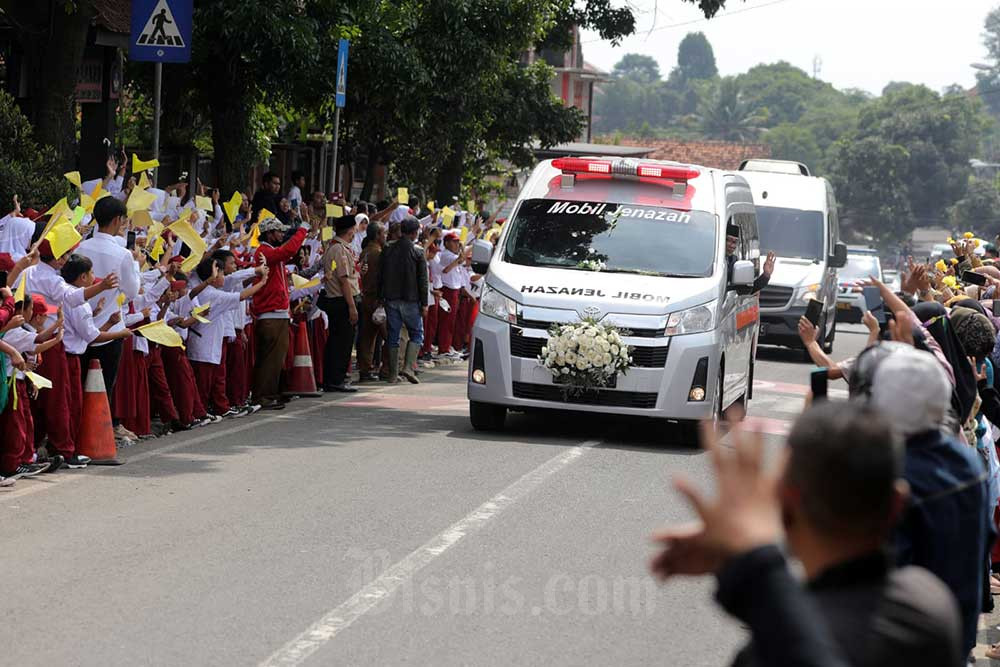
(769, 264)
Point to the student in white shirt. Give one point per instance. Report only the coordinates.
(205, 350)
(451, 260)
(106, 249)
(15, 233)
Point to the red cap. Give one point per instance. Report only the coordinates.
(38, 305)
(179, 259)
(177, 285)
(32, 214)
(6, 262)
(45, 248)
(452, 236)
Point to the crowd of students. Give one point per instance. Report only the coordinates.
(190, 303)
(888, 500)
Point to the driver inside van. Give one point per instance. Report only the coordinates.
(732, 247)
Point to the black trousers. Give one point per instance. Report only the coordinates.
(340, 342)
(109, 355)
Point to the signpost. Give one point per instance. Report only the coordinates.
(161, 33)
(341, 100)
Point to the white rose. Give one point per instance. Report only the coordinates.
(570, 357)
(615, 350)
(606, 359)
(581, 364)
(545, 351)
(565, 371)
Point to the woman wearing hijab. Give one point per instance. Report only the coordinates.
(934, 319)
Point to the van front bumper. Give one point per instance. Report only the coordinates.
(523, 383)
(781, 328)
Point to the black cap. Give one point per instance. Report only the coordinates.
(733, 230)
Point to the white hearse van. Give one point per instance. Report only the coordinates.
(797, 220)
(658, 231)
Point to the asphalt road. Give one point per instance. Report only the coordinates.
(372, 529)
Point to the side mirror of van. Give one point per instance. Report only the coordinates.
(482, 252)
(839, 257)
(744, 273)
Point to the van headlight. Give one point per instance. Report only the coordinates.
(805, 293)
(497, 305)
(693, 320)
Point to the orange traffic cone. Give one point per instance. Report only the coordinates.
(301, 380)
(97, 435)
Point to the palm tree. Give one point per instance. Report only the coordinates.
(727, 115)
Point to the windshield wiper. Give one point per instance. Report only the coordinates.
(655, 274)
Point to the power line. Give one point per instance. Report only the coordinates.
(701, 20)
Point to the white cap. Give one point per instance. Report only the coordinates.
(912, 391)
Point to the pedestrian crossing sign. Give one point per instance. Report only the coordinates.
(161, 31)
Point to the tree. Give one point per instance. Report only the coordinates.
(792, 142)
(53, 34)
(639, 68)
(695, 58)
(907, 161)
(726, 114)
(978, 210)
(785, 91)
(31, 171)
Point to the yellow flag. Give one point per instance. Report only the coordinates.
(447, 217)
(59, 207)
(204, 203)
(38, 380)
(155, 229)
(139, 200)
(19, 292)
(143, 181)
(185, 232)
(232, 207)
(334, 211)
(327, 234)
(298, 282)
(265, 214)
(62, 237)
(141, 219)
(464, 235)
(198, 313)
(159, 332)
(157, 250)
(87, 202)
(470, 206)
(402, 196)
(140, 165)
(255, 236)
(430, 206)
(73, 177)
(191, 262)
(99, 193)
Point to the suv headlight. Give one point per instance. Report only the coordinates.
(693, 320)
(497, 305)
(806, 292)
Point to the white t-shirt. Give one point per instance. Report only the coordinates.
(434, 265)
(79, 329)
(15, 236)
(452, 279)
(21, 339)
(207, 347)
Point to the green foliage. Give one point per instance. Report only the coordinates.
(728, 115)
(31, 171)
(908, 160)
(638, 68)
(793, 142)
(978, 210)
(695, 58)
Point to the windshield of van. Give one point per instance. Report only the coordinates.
(615, 238)
(859, 267)
(790, 232)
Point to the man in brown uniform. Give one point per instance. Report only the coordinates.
(370, 258)
(339, 300)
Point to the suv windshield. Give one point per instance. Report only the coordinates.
(612, 237)
(790, 232)
(860, 267)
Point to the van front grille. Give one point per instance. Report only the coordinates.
(774, 296)
(526, 347)
(635, 333)
(603, 397)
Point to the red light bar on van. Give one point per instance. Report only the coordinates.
(576, 165)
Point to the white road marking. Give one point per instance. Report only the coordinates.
(343, 615)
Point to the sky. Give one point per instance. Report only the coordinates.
(862, 43)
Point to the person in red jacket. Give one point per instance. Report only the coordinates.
(270, 310)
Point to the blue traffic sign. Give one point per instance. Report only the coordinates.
(161, 31)
(342, 72)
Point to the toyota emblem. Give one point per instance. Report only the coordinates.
(591, 311)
